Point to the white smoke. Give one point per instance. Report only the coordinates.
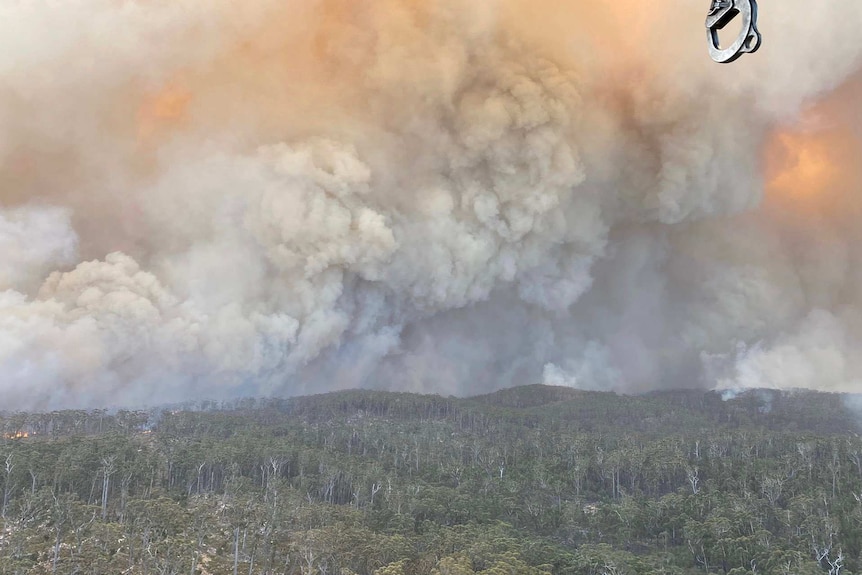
(33, 242)
(221, 198)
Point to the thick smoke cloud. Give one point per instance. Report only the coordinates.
(219, 199)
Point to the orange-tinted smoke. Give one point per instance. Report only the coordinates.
(163, 110)
(812, 167)
(803, 165)
(287, 75)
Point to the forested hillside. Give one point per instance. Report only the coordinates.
(532, 480)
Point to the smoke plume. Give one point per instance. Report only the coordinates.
(214, 199)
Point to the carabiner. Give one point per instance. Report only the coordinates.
(721, 12)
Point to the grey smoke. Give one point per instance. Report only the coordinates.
(260, 198)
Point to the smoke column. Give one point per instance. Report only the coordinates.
(214, 199)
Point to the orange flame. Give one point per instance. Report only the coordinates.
(17, 435)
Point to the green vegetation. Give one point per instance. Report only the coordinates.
(531, 481)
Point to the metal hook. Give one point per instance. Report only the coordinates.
(721, 13)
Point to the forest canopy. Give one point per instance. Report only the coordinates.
(531, 480)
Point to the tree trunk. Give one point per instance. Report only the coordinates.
(236, 551)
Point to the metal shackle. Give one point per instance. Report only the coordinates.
(721, 13)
